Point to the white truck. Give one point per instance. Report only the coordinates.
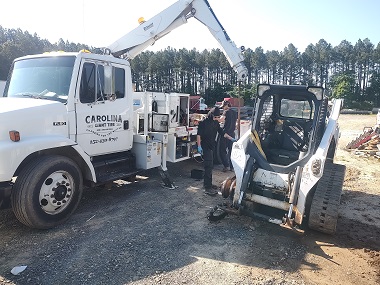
(73, 119)
(2, 86)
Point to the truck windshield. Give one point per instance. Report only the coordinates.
(41, 78)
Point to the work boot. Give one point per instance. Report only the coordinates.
(210, 191)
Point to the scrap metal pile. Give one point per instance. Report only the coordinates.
(368, 143)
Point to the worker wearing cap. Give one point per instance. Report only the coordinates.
(230, 118)
(207, 130)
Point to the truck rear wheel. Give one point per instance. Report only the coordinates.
(47, 192)
(323, 215)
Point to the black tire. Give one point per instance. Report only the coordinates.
(47, 192)
(216, 214)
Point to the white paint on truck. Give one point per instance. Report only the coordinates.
(2, 86)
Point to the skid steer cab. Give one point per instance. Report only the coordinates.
(284, 166)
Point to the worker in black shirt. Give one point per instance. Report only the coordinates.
(230, 117)
(206, 135)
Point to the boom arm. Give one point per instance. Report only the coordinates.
(171, 18)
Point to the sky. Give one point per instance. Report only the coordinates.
(270, 24)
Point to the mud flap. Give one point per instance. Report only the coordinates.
(5, 195)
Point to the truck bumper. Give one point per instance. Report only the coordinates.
(5, 194)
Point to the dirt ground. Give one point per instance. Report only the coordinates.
(141, 233)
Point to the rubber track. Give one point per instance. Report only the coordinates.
(323, 215)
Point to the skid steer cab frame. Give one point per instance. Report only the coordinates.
(284, 123)
(284, 164)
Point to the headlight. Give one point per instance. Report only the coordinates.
(316, 166)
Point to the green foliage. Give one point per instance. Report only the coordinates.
(217, 94)
(15, 43)
(246, 91)
(343, 85)
(374, 90)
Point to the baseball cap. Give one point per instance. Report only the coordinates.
(225, 103)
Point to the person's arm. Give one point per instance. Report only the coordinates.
(227, 136)
(224, 134)
(199, 148)
(199, 133)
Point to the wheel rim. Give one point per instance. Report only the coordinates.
(56, 192)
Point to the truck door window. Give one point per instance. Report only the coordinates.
(100, 95)
(87, 86)
(108, 81)
(119, 76)
(114, 82)
(103, 80)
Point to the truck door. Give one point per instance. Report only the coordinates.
(103, 109)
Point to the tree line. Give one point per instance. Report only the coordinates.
(349, 71)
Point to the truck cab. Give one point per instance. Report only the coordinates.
(92, 95)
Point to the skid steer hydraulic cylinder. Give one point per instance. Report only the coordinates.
(295, 187)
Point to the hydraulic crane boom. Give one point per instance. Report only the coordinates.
(133, 43)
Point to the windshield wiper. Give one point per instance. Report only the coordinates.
(27, 94)
(44, 94)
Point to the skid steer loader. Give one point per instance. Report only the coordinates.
(284, 168)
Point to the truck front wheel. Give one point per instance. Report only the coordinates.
(47, 192)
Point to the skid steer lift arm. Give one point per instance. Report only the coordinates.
(148, 32)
